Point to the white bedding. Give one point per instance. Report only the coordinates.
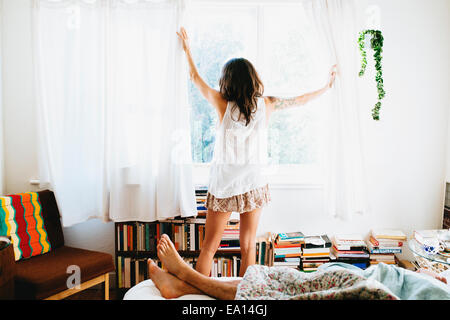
(146, 290)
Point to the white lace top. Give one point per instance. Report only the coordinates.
(240, 153)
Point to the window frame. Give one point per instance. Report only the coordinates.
(288, 176)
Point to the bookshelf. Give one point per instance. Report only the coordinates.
(135, 242)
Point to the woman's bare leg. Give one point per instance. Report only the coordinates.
(169, 285)
(224, 290)
(247, 238)
(215, 224)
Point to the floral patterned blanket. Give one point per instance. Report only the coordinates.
(282, 283)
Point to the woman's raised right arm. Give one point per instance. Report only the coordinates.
(276, 103)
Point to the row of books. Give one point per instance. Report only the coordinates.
(307, 253)
(200, 197)
(295, 250)
(187, 234)
(226, 267)
(144, 236)
(131, 271)
(380, 246)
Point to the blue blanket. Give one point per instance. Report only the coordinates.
(403, 283)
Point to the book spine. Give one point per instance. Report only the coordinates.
(158, 231)
(263, 252)
(127, 272)
(147, 237)
(386, 251)
(185, 238)
(119, 271)
(132, 270)
(192, 236)
(136, 272)
(125, 237)
(197, 227)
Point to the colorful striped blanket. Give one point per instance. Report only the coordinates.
(21, 219)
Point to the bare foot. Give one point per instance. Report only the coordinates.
(170, 286)
(170, 258)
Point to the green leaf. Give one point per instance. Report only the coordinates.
(376, 43)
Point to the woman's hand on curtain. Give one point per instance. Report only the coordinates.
(184, 39)
(213, 96)
(332, 76)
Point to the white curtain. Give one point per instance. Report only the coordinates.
(148, 115)
(70, 86)
(335, 28)
(111, 102)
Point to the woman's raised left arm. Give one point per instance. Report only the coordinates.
(212, 96)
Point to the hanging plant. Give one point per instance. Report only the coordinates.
(376, 43)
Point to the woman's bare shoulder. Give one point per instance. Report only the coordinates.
(220, 104)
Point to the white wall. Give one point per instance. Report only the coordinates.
(405, 152)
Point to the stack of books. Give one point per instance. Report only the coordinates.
(230, 236)
(264, 250)
(200, 196)
(287, 249)
(383, 244)
(351, 249)
(316, 251)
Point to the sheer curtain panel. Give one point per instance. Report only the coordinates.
(70, 85)
(149, 155)
(112, 105)
(335, 28)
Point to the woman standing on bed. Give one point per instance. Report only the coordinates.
(237, 182)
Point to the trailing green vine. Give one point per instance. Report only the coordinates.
(376, 43)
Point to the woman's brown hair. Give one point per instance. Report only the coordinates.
(240, 83)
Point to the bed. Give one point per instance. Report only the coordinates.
(397, 282)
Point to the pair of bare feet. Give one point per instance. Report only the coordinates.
(170, 283)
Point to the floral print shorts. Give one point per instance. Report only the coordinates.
(251, 200)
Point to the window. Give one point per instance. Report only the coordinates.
(276, 39)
